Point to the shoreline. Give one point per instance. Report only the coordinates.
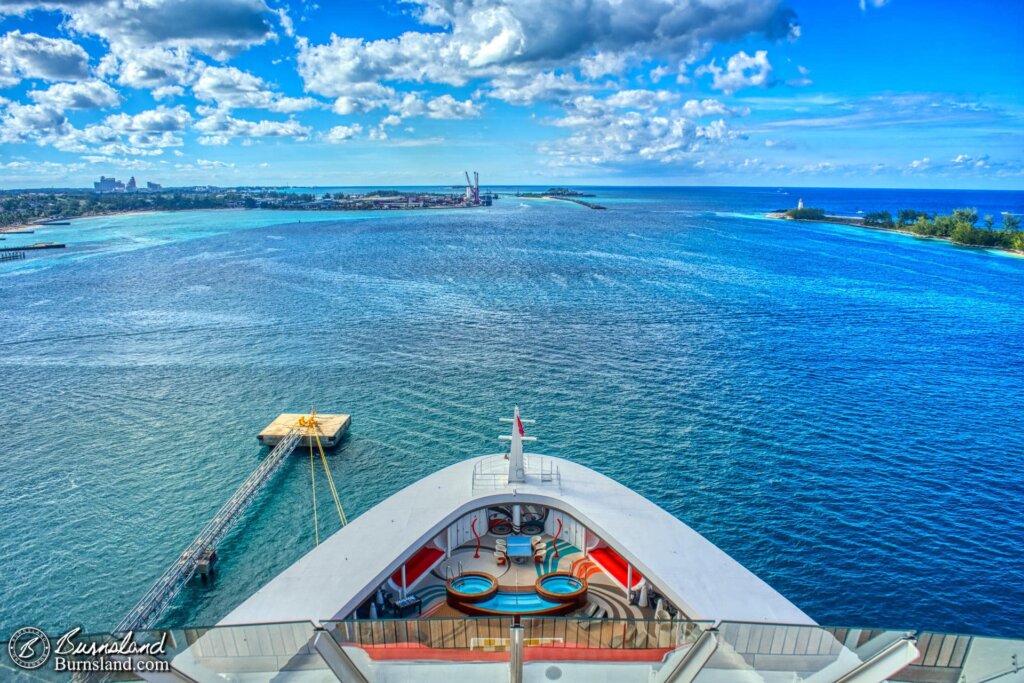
(8, 229)
(104, 214)
(857, 222)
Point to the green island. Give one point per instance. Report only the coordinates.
(959, 227)
(35, 207)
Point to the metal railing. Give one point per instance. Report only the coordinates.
(481, 634)
(491, 473)
(658, 649)
(579, 633)
(146, 612)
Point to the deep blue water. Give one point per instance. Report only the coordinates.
(839, 409)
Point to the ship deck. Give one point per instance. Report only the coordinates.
(605, 597)
(345, 571)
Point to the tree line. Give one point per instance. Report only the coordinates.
(961, 226)
(23, 208)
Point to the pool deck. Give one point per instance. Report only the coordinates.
(341, 573)
(603, 593)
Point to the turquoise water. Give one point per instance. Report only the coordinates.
(561, 584)
(839, 409)
(516, 603)
(472, 584)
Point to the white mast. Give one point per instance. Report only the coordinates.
(516, 462)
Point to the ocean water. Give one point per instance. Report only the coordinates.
(839, 409)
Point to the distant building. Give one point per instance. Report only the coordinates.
(105, 184)
(131, 186)
(153, 187)
(800, 203)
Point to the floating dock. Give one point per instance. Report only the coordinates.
(331, 428)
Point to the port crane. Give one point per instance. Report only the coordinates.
(472, 188)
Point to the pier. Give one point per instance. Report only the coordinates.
(37, 245)
(286, 432)
(329, 429)
(7, 255)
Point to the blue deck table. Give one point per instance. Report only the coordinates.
(519, 547)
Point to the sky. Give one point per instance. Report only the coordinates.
(835, 93)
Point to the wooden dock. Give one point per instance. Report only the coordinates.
(331, 428)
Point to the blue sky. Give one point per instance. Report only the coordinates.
(860, 93)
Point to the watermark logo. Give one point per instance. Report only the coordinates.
(29, 648)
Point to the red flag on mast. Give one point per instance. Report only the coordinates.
(519, 424)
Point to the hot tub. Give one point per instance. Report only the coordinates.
(562, 587)
(478, 594)
(471, 587)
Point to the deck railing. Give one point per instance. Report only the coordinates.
(490, 474)
(365, 649)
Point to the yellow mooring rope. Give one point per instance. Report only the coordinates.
(312, 479)
(330, 479)
(312, 423)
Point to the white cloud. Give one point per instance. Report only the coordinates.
(289, 105)
(81, 95)
(149, 67)
(605, 64)
(147, 133)
(232, 88)
(532, 88)
(26, 122)
(207, 163)
(706, 107)
(342, 133)
(219, 28)
(969, 160)
(167, 92)
(287, 25)
(363, 97)
(221, 125)
(873, 3)
(640, 99)
(447, 107)
(30, 55)
(741, 71)
(497, 39)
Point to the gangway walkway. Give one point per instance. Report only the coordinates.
(145, 614)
